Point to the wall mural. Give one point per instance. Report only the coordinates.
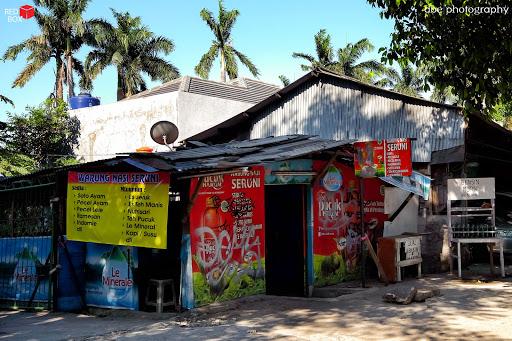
(337, 224)
(227, 236)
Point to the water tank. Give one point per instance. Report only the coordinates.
(83, 100)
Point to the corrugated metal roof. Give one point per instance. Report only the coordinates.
(239, 154)
(189, 160)
(338, 107)
(240, 89)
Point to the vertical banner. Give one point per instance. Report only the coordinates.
(118, 208)
(22, 261)
(383, 158)
(109, 271)
(398, 157)
(227, 236)
(337, 222)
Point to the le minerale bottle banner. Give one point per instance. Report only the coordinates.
(118, 208)
(22, 262)
(227, 236)
(110, 281)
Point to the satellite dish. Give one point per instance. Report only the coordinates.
(164, 132)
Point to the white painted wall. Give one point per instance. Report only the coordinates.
(407, 219)
(124, 126)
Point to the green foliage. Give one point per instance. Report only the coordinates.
(324, 53)
(132, 49)
(348, 62)
(62, 32)
(468, 52)
(444, 95)
(12, 164)
(222, 46)
(44, 137)
(409, 81)
(502, 113)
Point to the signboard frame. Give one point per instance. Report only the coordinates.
(471, 188)
(118, 208)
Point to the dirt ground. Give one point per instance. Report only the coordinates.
(465, 310)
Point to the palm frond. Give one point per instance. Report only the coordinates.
(159, 69)
(323, 47)
(28, 72)
(6, 100)
(226, 22)
(285, 80)
(159, 44)
(247, 62)
(207, 16)
(205, 64)
(305, 56)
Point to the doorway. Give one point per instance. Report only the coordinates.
(285, 240)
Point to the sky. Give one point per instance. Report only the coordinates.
(267, 31)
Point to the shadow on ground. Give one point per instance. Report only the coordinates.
(466, 309)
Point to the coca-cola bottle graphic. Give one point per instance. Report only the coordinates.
(212, 218)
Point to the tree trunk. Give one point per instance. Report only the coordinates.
(59, 78)
(70, 81)
(222, 67)
(69, 78)
(120, 86)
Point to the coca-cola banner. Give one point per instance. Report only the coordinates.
(227, 236)
(337, 222)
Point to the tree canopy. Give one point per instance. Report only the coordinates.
(466, 51)
(62, 32)
(348, 61)
(222, 46)
(324, 53)
(132, 49)
(43, 137)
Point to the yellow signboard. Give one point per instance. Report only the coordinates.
(118, 208)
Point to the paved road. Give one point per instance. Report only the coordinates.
(465, 310)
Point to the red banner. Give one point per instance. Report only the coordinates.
(227, 236)
(383, 158)
(398, 157)
(337, 223)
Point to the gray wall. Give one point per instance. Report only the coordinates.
(124, 126)
(338, 109)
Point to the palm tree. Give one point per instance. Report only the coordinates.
(6, 100)
(132, 49)
(409, 81)
(62, 33)
(75, 30)
(324, 53)
(348, 64)
(222, 46)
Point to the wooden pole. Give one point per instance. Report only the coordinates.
(375, 259)
(363, 233)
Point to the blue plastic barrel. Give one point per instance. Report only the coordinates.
(68, 291)
(83, 100)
